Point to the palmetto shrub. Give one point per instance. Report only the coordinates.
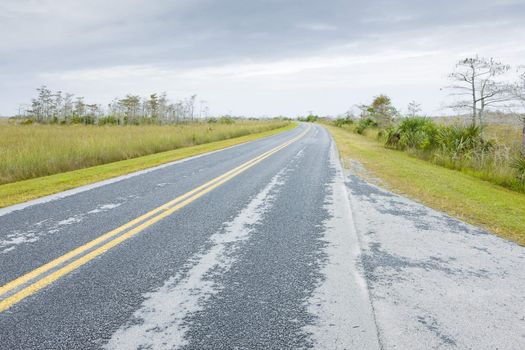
(412, 133)
(460, 147)
(519, 165)
(364, 124)
(462, 141)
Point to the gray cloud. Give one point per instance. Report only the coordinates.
(42, 39)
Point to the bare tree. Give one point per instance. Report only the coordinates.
(203, 109)
(474, 79)
(413, 108)
(163, 108)
(190, 106)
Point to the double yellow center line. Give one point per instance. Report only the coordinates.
(28, 284)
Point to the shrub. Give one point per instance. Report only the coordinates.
(459, 141)
(82, 120)
(108, 120)
(339, 122)
(518, 164)
(413, 132)
(226, 120)
(364, 124)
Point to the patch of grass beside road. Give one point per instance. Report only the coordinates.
(468, 198)
(18, 192)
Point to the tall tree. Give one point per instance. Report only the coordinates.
(475, 80)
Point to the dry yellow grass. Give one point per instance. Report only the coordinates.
(21, 191)
(510, 135)
(31, 151)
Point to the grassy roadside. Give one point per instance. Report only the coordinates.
(18, 192)
(468, 198)
(36, 150)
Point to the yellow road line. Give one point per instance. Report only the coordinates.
(48, 266)
(77, 251)
(168, 208)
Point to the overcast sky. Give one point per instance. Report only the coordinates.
(251, 57)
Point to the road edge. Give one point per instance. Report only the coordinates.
(339, 183)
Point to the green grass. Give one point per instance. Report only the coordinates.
(21, 191)
(466, 197)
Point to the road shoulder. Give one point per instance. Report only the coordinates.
(437, 282)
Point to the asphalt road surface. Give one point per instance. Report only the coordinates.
(265, 245)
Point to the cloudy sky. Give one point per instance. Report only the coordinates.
(251, 57)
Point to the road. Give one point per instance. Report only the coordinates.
(265, 245)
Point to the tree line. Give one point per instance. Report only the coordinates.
(66, 108)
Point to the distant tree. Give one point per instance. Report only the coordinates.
(153, 106)
(414, 109)
(474, 80)
(67, 109)
(178, 111)
(190, 107)
(79, 108)
(203, 109)
(93, 111)
(311, 118)
(57, 106)
(41, 106)
(363, 111)
(130, 105)
(163, 108)
(350, 114)
(382, 111)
